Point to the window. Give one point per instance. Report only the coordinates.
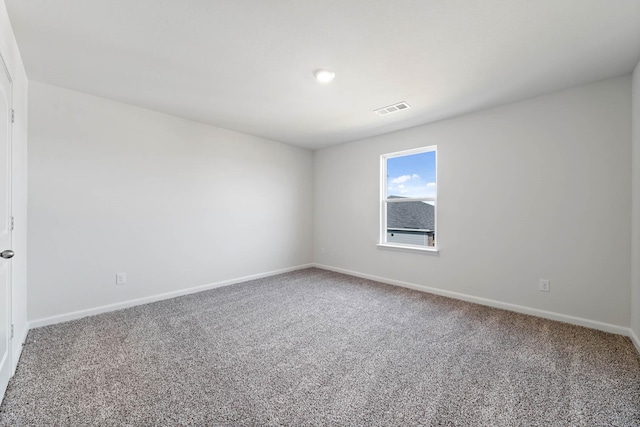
(408, 206)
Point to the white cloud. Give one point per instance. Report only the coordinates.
(404, 178)
(401, 179)
(411, 186)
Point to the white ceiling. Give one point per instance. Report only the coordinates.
(247, 65)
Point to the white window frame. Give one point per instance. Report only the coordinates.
(383, 201)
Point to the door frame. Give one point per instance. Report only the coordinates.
(4, 68)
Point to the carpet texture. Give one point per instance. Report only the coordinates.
(314, 347)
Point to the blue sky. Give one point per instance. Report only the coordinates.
(412, 176)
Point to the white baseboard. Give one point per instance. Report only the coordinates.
(593, 324)
(17, 347)
(153, 298)
(634, 339)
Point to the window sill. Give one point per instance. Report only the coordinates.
(408, 248)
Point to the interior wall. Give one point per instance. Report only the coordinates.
(172, 203)
(534, 189)
(11, 55)
(635, 253)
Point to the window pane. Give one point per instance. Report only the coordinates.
(413, 175)
(411, 222)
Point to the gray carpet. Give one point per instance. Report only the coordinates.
(314, 347)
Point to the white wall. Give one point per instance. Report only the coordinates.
(173, 203)
(11, 55)
(635, 252)
(534, 189)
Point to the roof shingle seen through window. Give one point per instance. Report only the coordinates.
(416, 215)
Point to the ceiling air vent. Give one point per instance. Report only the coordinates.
(392, 109)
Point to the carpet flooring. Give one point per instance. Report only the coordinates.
(313, 347)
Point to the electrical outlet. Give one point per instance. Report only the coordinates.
(121, 278)
(544, 286)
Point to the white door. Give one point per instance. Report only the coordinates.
(5, 228)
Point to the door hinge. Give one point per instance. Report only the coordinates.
(12, 330)
(12, 224)
(13, 115)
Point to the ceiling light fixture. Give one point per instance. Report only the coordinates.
(324, 76)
